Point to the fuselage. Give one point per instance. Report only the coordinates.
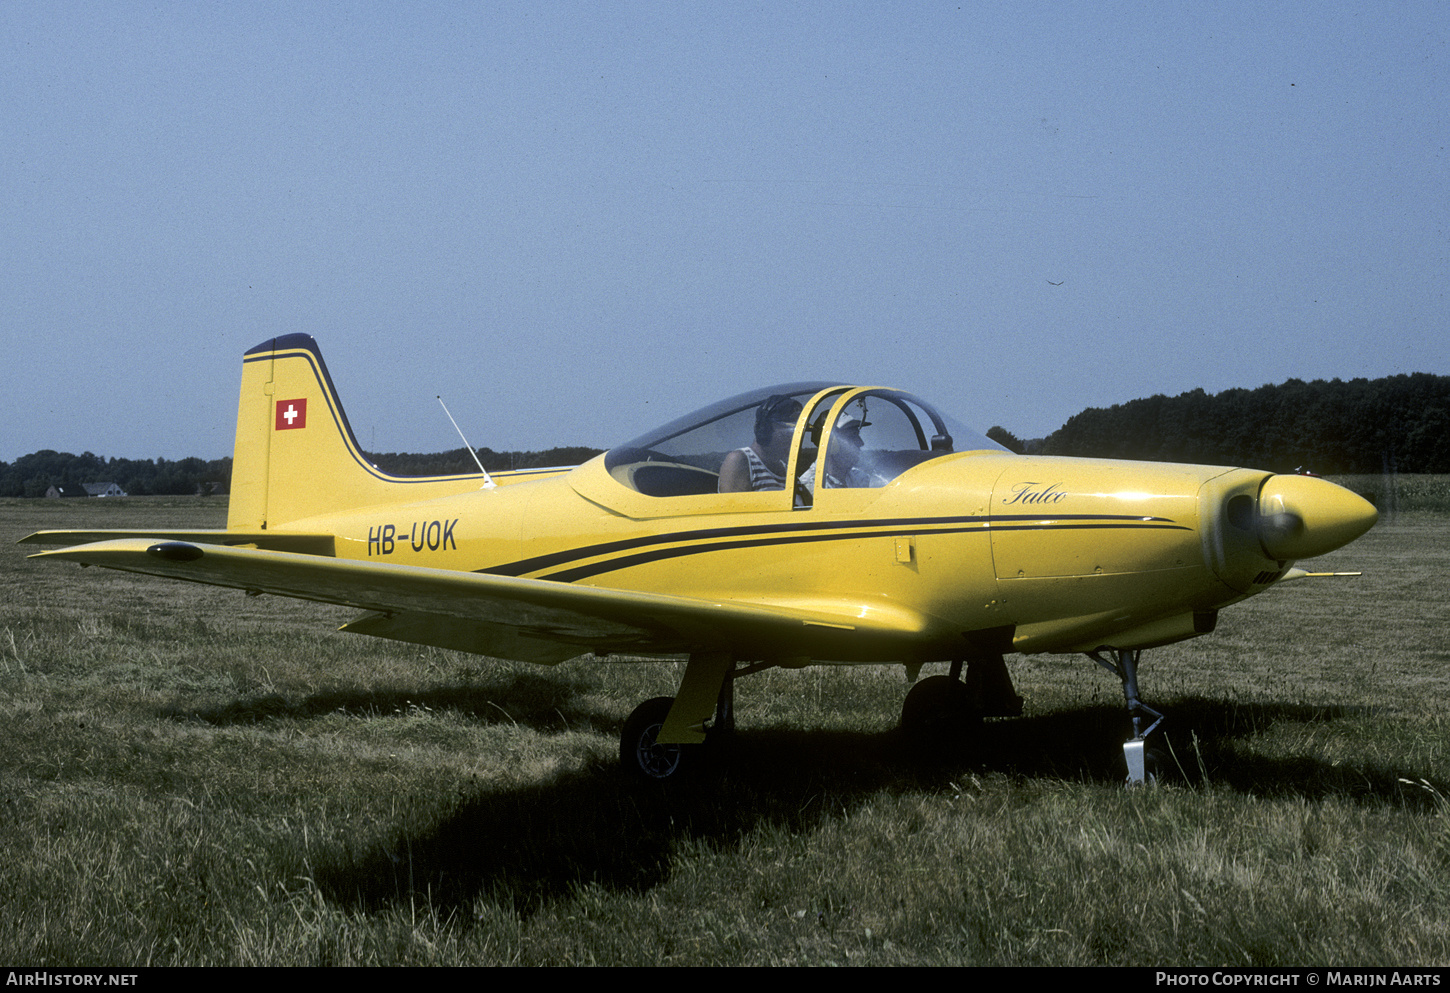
(1060, 554)
(893, 533)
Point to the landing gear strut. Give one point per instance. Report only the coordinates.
(1124, 665)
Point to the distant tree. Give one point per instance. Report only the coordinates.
(1006, 439)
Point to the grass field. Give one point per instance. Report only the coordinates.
(192, 776)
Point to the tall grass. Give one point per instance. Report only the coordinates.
(192, 776)
(1392, 493)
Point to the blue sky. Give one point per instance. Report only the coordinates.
(575, 221)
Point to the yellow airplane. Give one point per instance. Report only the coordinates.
(801, 524)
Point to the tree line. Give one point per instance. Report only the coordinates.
(1396, 424)
(35, 474)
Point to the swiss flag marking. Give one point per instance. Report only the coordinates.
(291, 414)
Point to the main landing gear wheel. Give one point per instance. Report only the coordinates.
(645, 759)
(937, 714)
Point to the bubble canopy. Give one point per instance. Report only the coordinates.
(879, 432)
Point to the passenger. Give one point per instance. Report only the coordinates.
(842, 457)
(761, 465)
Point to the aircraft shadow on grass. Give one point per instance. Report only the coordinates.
(532, 844)
(541, 701)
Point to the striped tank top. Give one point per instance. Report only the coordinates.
(761, 477)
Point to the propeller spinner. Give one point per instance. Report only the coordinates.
(1301, 517)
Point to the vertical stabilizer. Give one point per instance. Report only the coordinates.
(295, 455)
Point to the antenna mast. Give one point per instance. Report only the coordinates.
(488, 482)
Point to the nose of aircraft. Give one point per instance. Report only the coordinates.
(1304, 516)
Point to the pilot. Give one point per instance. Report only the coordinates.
(842, 457)
(761, 465)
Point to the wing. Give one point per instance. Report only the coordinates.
(531, 619)
(280, 541)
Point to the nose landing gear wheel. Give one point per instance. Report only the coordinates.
(1144, 764)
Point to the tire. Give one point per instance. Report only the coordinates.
(645, 760)
(937, 715)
